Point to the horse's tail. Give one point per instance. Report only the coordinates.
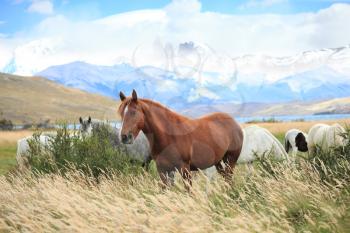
(287, 145)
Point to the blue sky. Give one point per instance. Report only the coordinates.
(35, 34)
(15, 14)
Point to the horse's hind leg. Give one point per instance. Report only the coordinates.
(220, 167)
(230, 160)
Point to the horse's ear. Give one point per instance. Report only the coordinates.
(134, 95)
(122, 96)
(81, 120)
(89, 120)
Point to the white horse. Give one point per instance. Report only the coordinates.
(140, 150)
(296, 140)
(325, 137)
(258, 142)
(23, 149)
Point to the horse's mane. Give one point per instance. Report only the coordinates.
(148, 103)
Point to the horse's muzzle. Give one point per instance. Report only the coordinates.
(127, 138)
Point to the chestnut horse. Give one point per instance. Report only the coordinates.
(180, 143)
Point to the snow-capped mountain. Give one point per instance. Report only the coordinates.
(312, 75)
(150, 82)
(179, 93)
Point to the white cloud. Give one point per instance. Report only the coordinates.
(151, 36)
(261, 3)
(41, 6)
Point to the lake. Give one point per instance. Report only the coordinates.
(247, 119)
(295, 118)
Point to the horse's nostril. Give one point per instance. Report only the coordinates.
(124, 138)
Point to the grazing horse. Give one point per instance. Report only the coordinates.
(259, 142)
(180, 143)
(296, 140)
(325, 136)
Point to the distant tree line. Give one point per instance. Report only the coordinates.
(6, 124)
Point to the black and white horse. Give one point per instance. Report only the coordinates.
(295, 140)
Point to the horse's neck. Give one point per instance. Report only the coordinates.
(160, 122)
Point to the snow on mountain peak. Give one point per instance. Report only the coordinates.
(275, 68)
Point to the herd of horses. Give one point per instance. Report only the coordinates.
(150, 131)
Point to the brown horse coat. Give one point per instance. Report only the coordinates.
(181, 143)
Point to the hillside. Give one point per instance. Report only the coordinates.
(36, 99)
(332, 106)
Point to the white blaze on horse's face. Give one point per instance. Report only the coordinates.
(132, 122)
(125, 111)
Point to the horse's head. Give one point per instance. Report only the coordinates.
(337, 133)
(85, 126)
(132, 117)
(301, 143)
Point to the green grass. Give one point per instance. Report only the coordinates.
(264, 120)
(280, 137)
(7, 157)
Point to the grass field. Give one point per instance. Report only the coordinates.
(289, 198)
(8, 147)
(293, 200)
(8, 139)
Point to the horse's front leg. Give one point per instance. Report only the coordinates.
(230, 160)
(146, 162)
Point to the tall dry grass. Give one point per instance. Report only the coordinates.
(283, 197)
(13, 136)
(293, 200)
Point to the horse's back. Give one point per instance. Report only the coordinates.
(316, 130)
(221, 125)
(291, 134)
